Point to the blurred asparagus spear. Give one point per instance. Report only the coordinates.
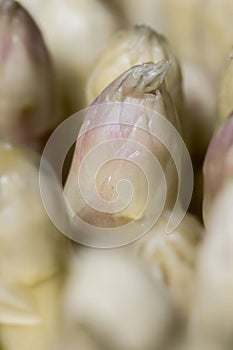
(29, 103)
(33, 255)
(113, 300)
(218, 165)
(172, 258)
(133, 98)
(75, 32)
(212, 320)
(225, 100)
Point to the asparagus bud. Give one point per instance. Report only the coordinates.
(172, 258)
(218, 166)
(225, 101)
(112, 299)
(130, 47)
(28, 97)
(32, 256)
(122, 125)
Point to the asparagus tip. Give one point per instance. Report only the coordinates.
(146, 77)
(9, 7)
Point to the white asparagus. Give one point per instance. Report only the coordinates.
(75, 31)
(33, 256)
(218, 165)
(212, 319)
(172, 258)
(29, 103)
(139, 87)
(116, 304)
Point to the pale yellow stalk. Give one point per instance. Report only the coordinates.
(33, 256)
(218, 166)
(75, 31)
(113, 302)
(29, 104)
(142, 93)
(172, 258)
(212, 319)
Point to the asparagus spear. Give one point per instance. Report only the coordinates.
(172, 258)
(33, 256)
(211, 321)
(75, 32)
(218, 165)
(113, 301)
(29, 104)
(136, 97)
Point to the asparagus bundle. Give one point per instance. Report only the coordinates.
(33, 256)
(128, 298)
(29, 104)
